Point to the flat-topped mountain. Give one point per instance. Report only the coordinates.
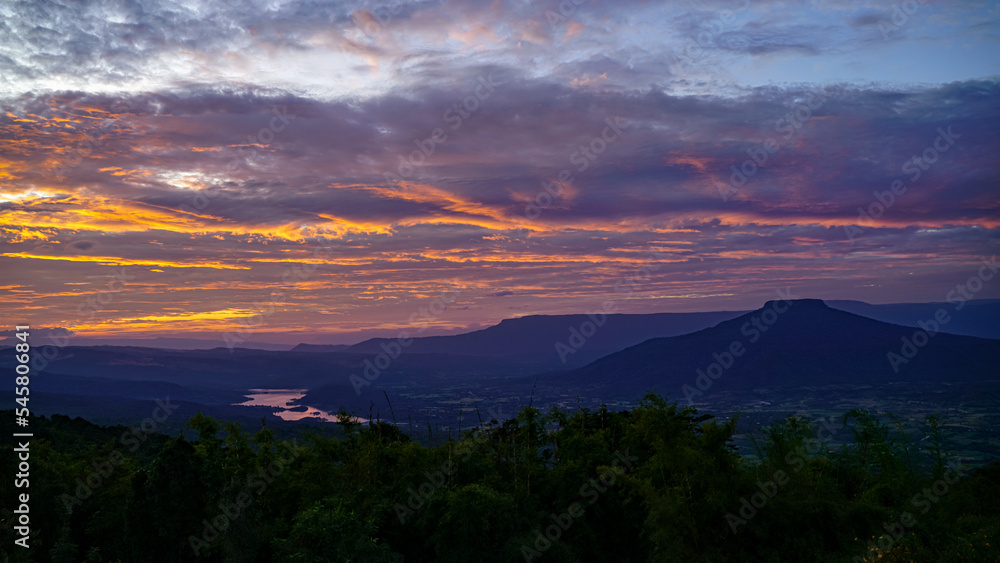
(789, 344)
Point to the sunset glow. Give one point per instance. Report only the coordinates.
(329, 169)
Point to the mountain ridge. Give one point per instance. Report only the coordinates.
(808, 343)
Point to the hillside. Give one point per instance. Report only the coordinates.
(806, 344)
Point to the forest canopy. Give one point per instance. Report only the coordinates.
(656, 483)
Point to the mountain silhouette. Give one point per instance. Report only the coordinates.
(977, 317)
(532, 339)
(795, 343)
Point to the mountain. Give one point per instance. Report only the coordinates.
(158, 342)
(533, 339)
(94, 381)
(320, 348)
(797, 343)
(978, 317)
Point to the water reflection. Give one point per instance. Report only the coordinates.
(284, 400)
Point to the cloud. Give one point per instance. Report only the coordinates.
(210, 148)
(39, 332)
(325, 171)
(82, 245)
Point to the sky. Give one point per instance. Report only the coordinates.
(304, 170)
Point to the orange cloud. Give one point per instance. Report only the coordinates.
(476, 35)
(117, 261)
(219, 320)
(572, 30)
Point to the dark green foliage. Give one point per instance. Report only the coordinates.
(658, 483)
(321, 533)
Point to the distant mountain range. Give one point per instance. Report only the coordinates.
(547, 340)
(164, 343)
(533, 339)
(979, 317)
(799, 343)
(321, 348)
(786, 345)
